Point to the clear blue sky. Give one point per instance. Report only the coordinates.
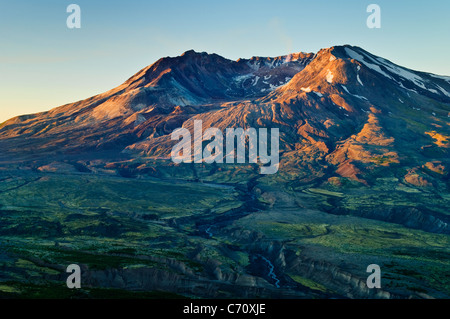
(43, 64)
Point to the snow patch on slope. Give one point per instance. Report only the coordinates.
(377, 62)
(442, 77)
(357, 75)
(354, 55)
(355, 95)
(443, 91)
(345, 88)
(318, 94)
(417, 80)
(330, 77)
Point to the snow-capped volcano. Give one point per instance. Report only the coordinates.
(342, 104)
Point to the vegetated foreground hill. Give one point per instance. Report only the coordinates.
(363, 178)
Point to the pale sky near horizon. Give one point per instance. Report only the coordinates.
(43, 64)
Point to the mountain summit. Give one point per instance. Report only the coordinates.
(342, 112)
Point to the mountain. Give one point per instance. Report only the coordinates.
(344, 105)
(363, 178)
(150, 100)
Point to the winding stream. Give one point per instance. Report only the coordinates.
(208, 231)
(271, 273)
(250, 205)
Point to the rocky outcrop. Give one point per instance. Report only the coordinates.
(413, 217)
(342, 282)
